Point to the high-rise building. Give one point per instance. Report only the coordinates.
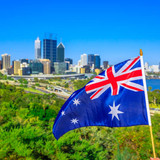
(37, 48)
(83, 59)
(67, 65)
(36, 67)
(20, 72)
(0, 64)
(26, 70)
(13, 64)
(82, 70)
(10, 71)
(60, 52)
(24, 64)
(50, 49)
(97, 61)
(146, 66)
(154, 68)
(90, 59)
(46, 65)
(59, 67)
(24, 60)
(79, 63)
(85, 69)
(16, 67)
(5, 61)
(69, 60)
(105, 64)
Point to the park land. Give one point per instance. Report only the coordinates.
(27, 114)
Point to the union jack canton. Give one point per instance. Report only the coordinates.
(112, 79)
(114, 98)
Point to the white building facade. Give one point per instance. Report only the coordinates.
(84, 59)
(5, 61)
(37, 48)
(154, 68)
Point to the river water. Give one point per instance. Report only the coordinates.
(154, 83)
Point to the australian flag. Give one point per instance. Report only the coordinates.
(114, 98)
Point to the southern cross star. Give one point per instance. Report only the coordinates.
(74, 121)
(76, 102)
(114, 111)
(63, 113)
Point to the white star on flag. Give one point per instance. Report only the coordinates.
(63, 113)
(114, 111)
(76, 102)
(74, 121)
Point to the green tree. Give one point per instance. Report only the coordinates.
(26, 122)
(37, 84)
(66, 85)
(35, 79)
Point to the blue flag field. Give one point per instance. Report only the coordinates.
(114, 98)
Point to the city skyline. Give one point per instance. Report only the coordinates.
(41, 49)
(60, 65)
(114, 30)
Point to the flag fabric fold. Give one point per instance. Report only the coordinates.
(114, 98)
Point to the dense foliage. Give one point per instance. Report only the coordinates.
(81, 83)
(26, 122)
(4, 77)
(153, 73)
(154, 97)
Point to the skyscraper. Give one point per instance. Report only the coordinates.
(37, 48)
(36, 67)
(24, 61)
(105, 64)
(26, 70)
(90, 59)
(60, 52)
(5, 61)
(83, 59)
(0, 64)
(16, 67)
(69, 60)
(49, 49)
(59, 67)
(46, 65)
(10, 71)
(97, 61)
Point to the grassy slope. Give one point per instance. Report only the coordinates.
(33, 90)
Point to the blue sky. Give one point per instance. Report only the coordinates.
(114, 29)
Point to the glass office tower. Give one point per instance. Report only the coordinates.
(97, 61)
(36, 67)
(90, 59)
(50, 49)
(60, 52)
(69, 60)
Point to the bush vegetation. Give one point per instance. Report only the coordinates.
(26, 122)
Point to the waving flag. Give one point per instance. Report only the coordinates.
(114, 98)
(111, 79)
